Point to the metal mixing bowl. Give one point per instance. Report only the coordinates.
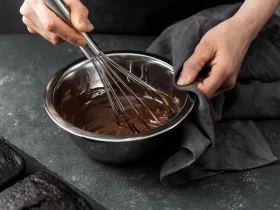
(118, 149)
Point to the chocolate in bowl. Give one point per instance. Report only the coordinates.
(80, 77)
(91, 110)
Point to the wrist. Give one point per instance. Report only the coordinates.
(247, 30)
(245, 34)
(253, 15)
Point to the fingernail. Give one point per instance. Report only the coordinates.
(182, 81)
(55, 42)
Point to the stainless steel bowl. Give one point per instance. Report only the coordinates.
(118, 149)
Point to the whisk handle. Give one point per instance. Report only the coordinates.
(54, 6)
(58, 7)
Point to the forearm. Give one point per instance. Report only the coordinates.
(254, 14)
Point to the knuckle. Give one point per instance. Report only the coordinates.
(55, 43)
(204, 91)
(31, 30)
(224, 75)
(21, 9)
(204, 57)
(72, 40)
(25, 12)
(206, 94)
(206, 44)
(49, 25)
(25, 20)
(231, 83)
(53, 39)
(68, 38)
(205, 49)
(190, 65)
(225, 71)
(201, 51)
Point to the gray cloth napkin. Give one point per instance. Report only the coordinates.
(220, 134)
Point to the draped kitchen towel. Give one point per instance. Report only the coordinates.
(220, 134)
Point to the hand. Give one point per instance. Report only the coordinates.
(222, 49)
(40, 19)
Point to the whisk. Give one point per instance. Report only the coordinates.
(109, 70)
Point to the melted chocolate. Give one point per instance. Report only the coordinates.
(90, 110)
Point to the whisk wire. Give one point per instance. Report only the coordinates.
(102, 77)
(127, 73)
(129, 101)
(145, 85)
(132, 92)
(115, 96)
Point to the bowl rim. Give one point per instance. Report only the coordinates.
(65, 125)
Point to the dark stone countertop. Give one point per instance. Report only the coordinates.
(27, 62)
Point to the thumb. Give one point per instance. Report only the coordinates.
(79, 15)
(194, 64)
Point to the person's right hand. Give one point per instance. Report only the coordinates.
(40, 19)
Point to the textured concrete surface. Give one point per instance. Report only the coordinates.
(27, 63)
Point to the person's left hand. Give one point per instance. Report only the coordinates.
(222, 49)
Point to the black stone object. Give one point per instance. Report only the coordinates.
(41, 191)
(27, 184)
(11, 164)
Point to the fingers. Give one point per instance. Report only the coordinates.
(32, 31)
(40, 19)
(201, 56)
(37, 28)
(25, 11)
(53, 24)
(30, 19)
(79, 15)
(219, 80)
(210, 84)
(30, 27)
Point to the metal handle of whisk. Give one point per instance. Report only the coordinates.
(59, 8)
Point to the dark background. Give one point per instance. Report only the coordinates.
(145, 17)
(27, 64)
